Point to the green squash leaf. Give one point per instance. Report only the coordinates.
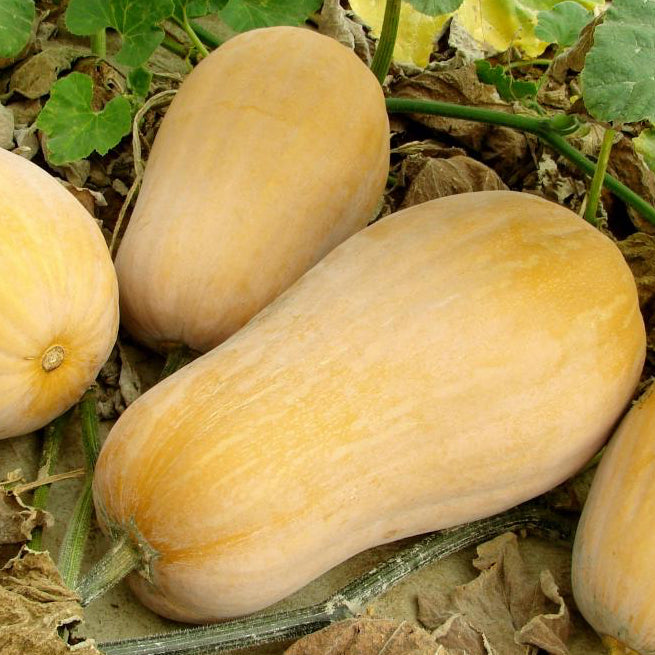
(645, 145)
(618, 79)
(435, 7)
(508, 88)
(74, 130)
(16, 17)
(244, 15)
(562, 24)
(135, 20)
(139, 80)
(197, 8)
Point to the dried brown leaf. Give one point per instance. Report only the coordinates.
(573, 58)
(367, 637)
(435, 178)
(88, 198)
(35, 77)
(631, 169)
(333, 21)
(6, 128)
(17, 520)
(504, 606)
(33, 603)
(129, 382)
(499, 147)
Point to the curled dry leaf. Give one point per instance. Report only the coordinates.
(17, 520)
(367, 637)
(34, 603)
(504, 610)
(6, 128)
(554, 184)
(639, 251)
(631, 169)
(573, 58)
(499, 147)
(129, 382)
(35, 77)
(333, 21)
(434, 178)
(86, 197)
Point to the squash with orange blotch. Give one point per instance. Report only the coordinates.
(448, 362)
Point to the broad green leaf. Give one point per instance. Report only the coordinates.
(197, 8)
(618, 79)
(508, 88)
(496, 24)
(16, 17)
(139, 80)
(243, 15)
(74, 130)
(136, 20)
(435, 7)
(645, 145)
(562, 24)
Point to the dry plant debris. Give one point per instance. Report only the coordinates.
(504, 610)
(34, 604)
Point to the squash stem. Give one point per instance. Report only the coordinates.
(208, 38)
(544, 128)
(173, 46)
(99, 43)
(122, 559)
(177, 358)
(384, 51)
(185, 25)
(597, 180)
(347, 602)
(73, 544)
(52, 438)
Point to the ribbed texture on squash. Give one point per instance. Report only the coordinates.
(444, 364)
(58, 294)
(275, 149)
(614, 551)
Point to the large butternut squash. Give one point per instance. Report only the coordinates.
(58, 297)
(443, 364)
(614, 551)
(275, 149)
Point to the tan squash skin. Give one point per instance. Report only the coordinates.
(58, 298)
(442, 365)
(614, 552)
(275, 150)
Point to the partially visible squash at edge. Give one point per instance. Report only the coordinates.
(613, 567)
(274, 150)
(444, 364)
(58, 297)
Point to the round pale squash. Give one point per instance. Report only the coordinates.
(58, 294)
(274, 150)
(444, 364)
(614, 551)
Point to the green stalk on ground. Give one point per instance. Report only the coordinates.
(593, 197)
(52, 438)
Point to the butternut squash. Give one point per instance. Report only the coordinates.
(442, 365)
(58, 294)
(274, 150)
(614, 551)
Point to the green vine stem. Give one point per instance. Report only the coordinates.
(349, 601)
(544, 128)
(173, 46)
(177, 357)
(73, 544)
(524, 63)
(207, 37)
(52, 438)
(384, 51)
(122, 559)
(597, 180)
(186, 26)
(99, 43)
